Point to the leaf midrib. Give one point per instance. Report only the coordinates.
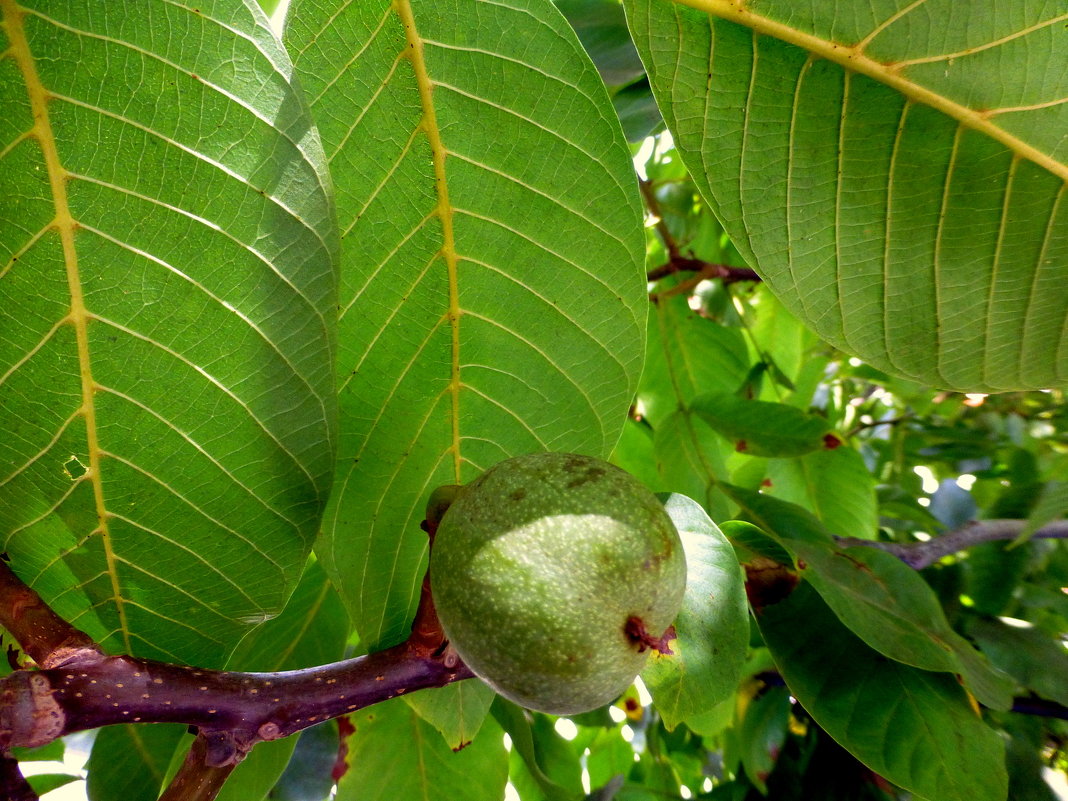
(78, 316)
(444, 212)
(852, 57)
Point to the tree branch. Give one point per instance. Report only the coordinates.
(704, 269)
(13, 785)
(923, 554)
(46, 637)
(678, 263)
(234, 710)
(39, 706)
(196, 779)
(78, 687)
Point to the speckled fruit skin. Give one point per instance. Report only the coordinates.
(536, 568)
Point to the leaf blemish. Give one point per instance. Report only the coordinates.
(74, 468)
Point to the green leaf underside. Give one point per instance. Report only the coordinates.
(915, 728)
(688, 355)
(761, 428)
(426, 769)
(457, 711)
(171, 359)
(910, 206)
(492, 300)
(131, 761)
(882, 600)
(712, 628)
(833, 484)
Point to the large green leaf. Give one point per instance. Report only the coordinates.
(834, 484)
(540, 770)
(916, 729)
(762, 734)
(167, 275)
(426, 769)
(131, 761)
(894, 169)
(492, 297)
(688, 355)
(457, 711)
(1037, 661)
(885, 602)
(712, 629)
(691, 459)
(764, 428)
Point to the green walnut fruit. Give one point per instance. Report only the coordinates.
(553, 576)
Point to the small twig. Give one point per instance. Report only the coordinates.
(197, 779)
(890, 421)
(924, 554)
(1040, 707)
(704, 269)
(677, 263)
(46, 637)
(651, 203)
(13, 785)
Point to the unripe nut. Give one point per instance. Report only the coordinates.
(554, 575)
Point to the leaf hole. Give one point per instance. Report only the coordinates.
(74, 468)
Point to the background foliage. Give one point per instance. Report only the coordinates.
(266, 292)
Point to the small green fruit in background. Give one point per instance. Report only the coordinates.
(554, 575)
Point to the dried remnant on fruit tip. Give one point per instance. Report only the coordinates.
(640, 636)
(438, 503)
(554, 575)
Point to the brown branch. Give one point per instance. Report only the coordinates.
(197, 779)
(924, 554)
(1039, 707)
(80, 688)
(651, 203)
(13, 785)
(236, 709)
(677, 263)
(46, 637)
(704, 269)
